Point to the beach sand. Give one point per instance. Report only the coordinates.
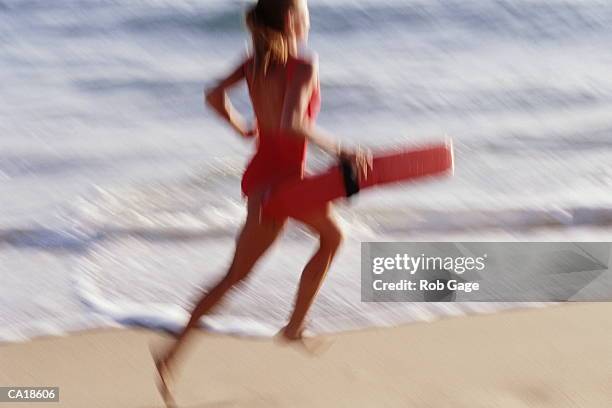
(559, 356)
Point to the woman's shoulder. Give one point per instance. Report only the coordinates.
(307, 56)
(307, 63)
(247, 61)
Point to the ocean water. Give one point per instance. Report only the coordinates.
(119, 192)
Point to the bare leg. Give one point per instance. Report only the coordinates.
(253, 241)
(315, 270)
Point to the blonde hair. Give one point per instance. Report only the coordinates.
(266, 22)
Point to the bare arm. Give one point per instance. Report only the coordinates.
(217, 98)
(295, 124)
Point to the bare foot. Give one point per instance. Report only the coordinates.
(164, 380)
(313, 346)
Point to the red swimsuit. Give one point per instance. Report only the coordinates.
(279, 157)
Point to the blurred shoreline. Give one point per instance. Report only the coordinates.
(554, 357)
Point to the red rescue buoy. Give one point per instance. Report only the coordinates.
(295, 198)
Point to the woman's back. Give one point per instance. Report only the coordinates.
(268, 93)
(267, 96)
(279, 156)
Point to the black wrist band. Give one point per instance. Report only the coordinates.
(351, 184)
